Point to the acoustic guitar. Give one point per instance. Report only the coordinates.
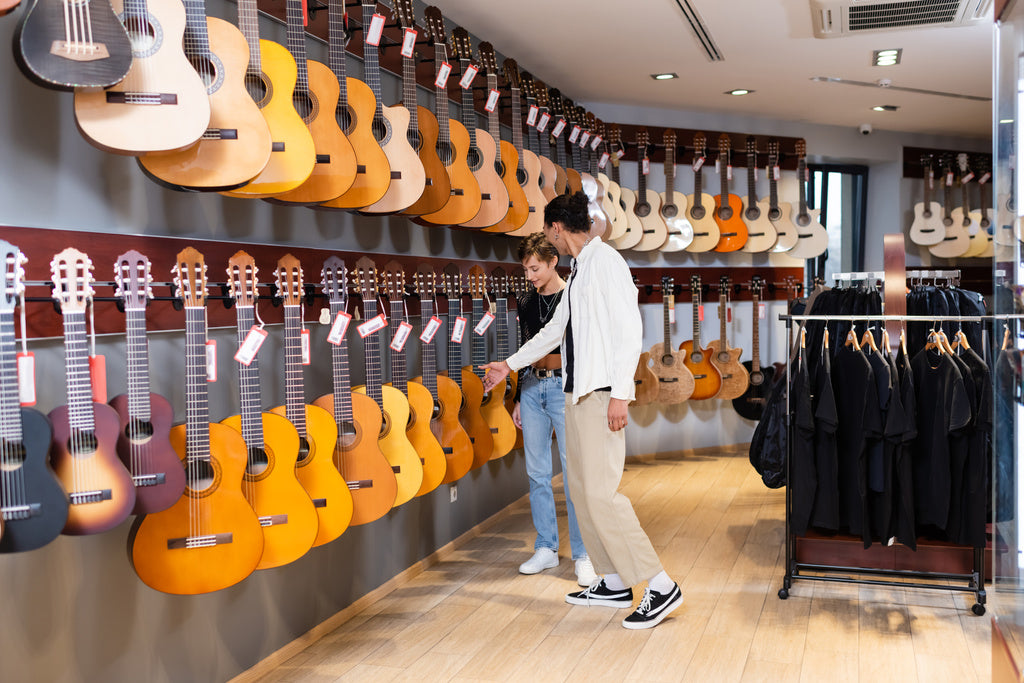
(751, 404)
(538, 144)
(482, 153)
(700, 205)
(509, 161)
(812, 239)
(356, 453)
(453, 142)
(987, 219)
(573, 182)
(679, 232)
(83, 451)
(590, 149)
(33, 506)
(444, 392)
(528, 174)
(970, 220)
(286, 513)
(761, 234)
(492, 405)
(162, 103)
(956, 240)
(470, 386)
(235, 146)
(732, 231)
(316, 99)
(778, 212)
(735, 377)
(64, 44)
(647, 385)
(633, 231)
(317, 430)
(927, 228)
(394, 406)
(423, 127)
(544, 128)
(675, 381)
(502, 286)
(270, 81)
(592, 187)
(211, 538)
(421, 402)
(144, 441)
(612, 202)
(653, 232)
(706, 379)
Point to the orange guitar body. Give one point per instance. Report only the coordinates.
(503, 429)
(373, 173)
(573, 180)
(472, 419)
(448, 430)
(706, 380)
(438, 187)
(518, 207)
(732, 231)
(420, 435)
(460, 208)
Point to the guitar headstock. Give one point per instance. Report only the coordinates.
(406, 14)
(700, 145)
(601, 130)
(695, 287)
(554, 101)
(500, 283)
(487, 58)
(642, 141)
(526, 82)
(133, 277)
(426, 282)
(511, 72)
(541, 91)
(14, 276)
(364, 278)
(773, 154)
(190, 277)
(751, 151)
(452, 282)
(723, 286)
(755, 288)
(519, 284)
(961, 162)
(926, 163)
(462, 45)
(242, 278)
(72, 280)
(333, 277)
(393, 280)
(724, 148)
(668, 287)
(591, 122)
(435, 26)
(477, 282)
(288, 277)
(801, 149)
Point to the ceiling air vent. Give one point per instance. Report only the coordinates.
(838, 18)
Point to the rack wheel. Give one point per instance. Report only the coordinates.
(978, 609)
(784, 594)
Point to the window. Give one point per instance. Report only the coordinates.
(841, 193)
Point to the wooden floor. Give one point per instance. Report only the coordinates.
(719, 531)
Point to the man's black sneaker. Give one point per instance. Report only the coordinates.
(600, 595)
(654, 607)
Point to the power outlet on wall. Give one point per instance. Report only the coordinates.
(453, 492)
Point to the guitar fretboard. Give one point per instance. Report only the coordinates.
(477, 343)
(138, 364)
(248, 23)
(342, 383)
(455, 348)
(755, 297)
(428, 355)
(409, 95)
(249, 384)
(196, 40)
(751, 181)
(371, 347)
(444, 135)
(670, 174)
(297, 45)
(294, 382)
(336, 49)
(666, 305)
(399, 368)
(197, 411)
(517, 124)
(468, 113)
(371, 67)
(501, 327)
(696, 315)
(76, 364)
(10, 410)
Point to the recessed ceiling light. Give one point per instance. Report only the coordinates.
(664, 77)
(887, 57)
(738, 91)
(1005, 120)
(885, 107)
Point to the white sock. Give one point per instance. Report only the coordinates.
(661, 583)
(614, 582)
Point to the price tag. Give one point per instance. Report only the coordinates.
(807, 175)
(98, 376)
(574, 134)
(984, 179)
(401, 336)
(728, 171)
(374, 324)
(27, 379)
(728, 314)
(584, 138)
(672, 315)
(443, 72)
(931, 179)
(251, 346)
(430, 330)
(698, 163)
(603, 161)
(619, 153)
(949, 179)
(304, 343)
(531, 115)
(374, 33)
(458, 329)
(776, 172)
(967, 178)
(700, 313)
(211, 360)
(485, 322)
(492, 100)
(718, 166)
(337, 334)
(596, 142)
(645, 166)
(559, 127)
(755, 174)
(542, 124)
(408, 42)
(761, 312)
(467, 78)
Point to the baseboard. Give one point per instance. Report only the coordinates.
(728, 449)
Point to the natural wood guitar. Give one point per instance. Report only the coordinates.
(761, 234)
(927, 228)
(492, 405)
(509, 160)
(679, 232)
(812, 239)
(778, 212)
(700, 206)
(970, 220)
(647, 385)
(544, 126)
(211, 538)
(528, 174)
(675, 381)
(559, 125)
(537, 144)
(735, 377)
(633, 231)
(732, 231)
(286, 513)
(503, 287)
(317, 430)
(751, 404)
(648, 203)
(706, 379)
(956, 240)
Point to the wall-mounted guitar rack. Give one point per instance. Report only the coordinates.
(912, 167)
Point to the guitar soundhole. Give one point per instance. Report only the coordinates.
(927, 213)
(966, 222)
(415, 141)
(723, 356)
(670, 211)
(643, 210)
(209, 69)
(303, 105)
(947, 221)
(521, 176)
(258, 462)
(304, 451)
(82, 443)
(258, 88)
(774, 214)
(756, 379)
(138, 430)
(143, 35)
(803, 220)
(696, 357)
(698, 212)
(725, 212)
(752, 213)
(14, 455)
(474, 158)
(381, 129)
(201, 475)
(347, 434)
(344, 118)
(445, 152)
(385, 426)
(667, 359)
(499, 167)
(437, 411)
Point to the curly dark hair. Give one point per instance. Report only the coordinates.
(570, 210)
(536, 244)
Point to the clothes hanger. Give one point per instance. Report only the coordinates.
(868, 340)
(903, 342)
(824, 340)
(851, 339)
(886, 343)
(1006, 338)
(960, 341)
(934, 343)
(944, 340)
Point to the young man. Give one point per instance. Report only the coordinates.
(597, 323)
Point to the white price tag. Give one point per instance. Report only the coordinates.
(761, 312)
(672, 315)
(374, 324)
(698, 163)
(211, 360)
(443, 72)
(584, 139)
(251, 346)
(645, 166)
(596, 142)
(755, 174)
(603, 161)
(931, 179)
(559, 127)
(304, 343)
(949, 179)
(728, 171)
(401, 336)
(337, 334)
(27, 379)
(492, 100)
(718, 166)
(984, 179)
(376, 28)
(408, 42)
(967, 178)
(430, 330)
(485, 322)
(776, 172)
(467, 78)
(458, 330)
(542, 124)
(574, 134)
(619, 153)
(531, 115)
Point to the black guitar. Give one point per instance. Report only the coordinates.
(751, 404)
(33, 503)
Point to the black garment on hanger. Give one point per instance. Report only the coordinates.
(803, 475)
(903, 525)
(959, 451)
(768, 444)
(975, 477)
(825, 512)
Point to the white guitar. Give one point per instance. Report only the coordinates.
(812, 239)
(779, 213)
(701, 205)
(927, 228)
(673, 204)
(761, 234)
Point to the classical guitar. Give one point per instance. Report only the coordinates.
(987, 219)
(211, 538)
(270, 80)
(235, 146)
(970, 220)
(778, 212)
(544, 128)
(612, 203)
(700, 205)
(64, 44)
(453, 142)
(751, 404)
(423, 126)
(735, 377)
(590, 148)
(592, 187)
(573, 182)
(469, 383)
(812, 239)
(83, 451)
(421, 402)
(653, 231)
(161, 104)
(144, 442)
(285, 510)
(394, 406)
(673, 204)
(509, 161)
(356, 453)
(482, 153)
(548, 174)
(927, 228)
(706, 378)
(316, 99)
(761, 234)
(956, 240)
(732, 230)
(633, 231)
(502, 287)
(492, 405)
(33, 506)
(528, 174)
(317, 430)
(675, 381)
(444, 392)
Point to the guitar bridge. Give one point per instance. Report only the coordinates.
(82, 497)
(141, 480)
(16, 512)
(319, 502)
(206, 541)
(220, 134)
(667, 380)
(273, 520)
(150, 98)
(79, 52)
(357, 484)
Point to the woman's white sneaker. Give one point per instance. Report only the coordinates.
(585, 572)
(544, 558)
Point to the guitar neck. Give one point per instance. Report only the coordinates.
(773, 190)
(721, 318)
(295, 391)
(696, 317)
(543, 139)
(371, 67)
(76, 362)
(196, 40)
(532, 138)
(501, 327)
(428, 353)
(399, 368)
(666, 306)
(454, 348)
(723, 176)
(249, 383)
(441, 102)
(197, 412)
(751, 180)
(493, 123)
(698, 186)
(670, 174)
(928, 179)
(409, 94)
(10, 411)
(468, 113)
(756, 335)
(342, 382)
(248, 23)
(336, 48)
(297, 43)
(801, 183)
(517, 124)
(371, 348)
(138, 364)
(477, 343)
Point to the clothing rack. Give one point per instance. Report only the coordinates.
(973, 582)
(860, 276)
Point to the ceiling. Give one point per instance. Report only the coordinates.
(603, 51)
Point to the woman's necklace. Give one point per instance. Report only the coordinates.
(546, 303)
